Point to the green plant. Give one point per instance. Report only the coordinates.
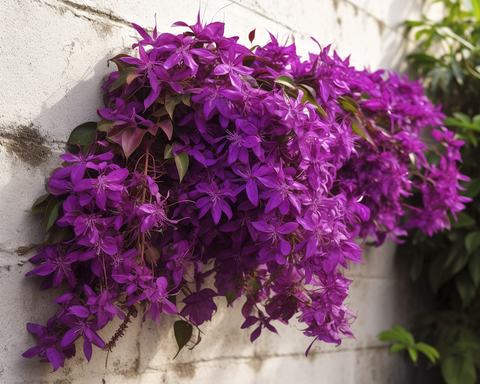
(404, 340)
(449, 262)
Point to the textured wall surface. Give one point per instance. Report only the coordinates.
(55, 56)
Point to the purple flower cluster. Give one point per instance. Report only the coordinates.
(255, 168)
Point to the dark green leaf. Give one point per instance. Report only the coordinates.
(416, 266)
(457, 258)
(58, 234)
(231, 297)
(84, 134)
(183, 333)
(435, 74)
(458, 370)
(465, 287)
(254, 283)
(457, 71)
(473, 188)
(181, 161)
(472, 241)
(51, 213)
(40, 204)
(122, 79)
(437, 274)
(463, 220)
(422, 58)
(285, 81)
(474, 267)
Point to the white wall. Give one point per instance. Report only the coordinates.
(54, 55)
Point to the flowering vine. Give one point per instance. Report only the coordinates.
(250, 166)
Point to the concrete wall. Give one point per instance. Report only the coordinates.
(54, 55)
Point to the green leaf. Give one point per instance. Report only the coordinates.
(446, 31)
(476, 120)
(412, 23)
(390, 335)
(359, 131)
(84, 134)
(458, 370)
(122, 78)
(463, 117)
(348, 104)
(472, 241)
(473, 188)
(419, 34)
(437, 274)
(416, 266)
(465, 287)
(422, 58)
(168, 154)
(428, 351)
(310, 96)
(105, 125)
(457, 258)
(463, 220)
(407, 335)
(435, 74)
(285, 81)
(449, 122)
(413, 354)
(171, 102)
(397, 348)
(474, 267)
(457, 71)
(58, 234)
(183, 334)
(231, 297)
(51, 212)
(186, 99)
(476, 9)
(181, 161)
(40, 204)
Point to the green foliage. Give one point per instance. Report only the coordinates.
(404, 340)
(448, 64)
(183, 333)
